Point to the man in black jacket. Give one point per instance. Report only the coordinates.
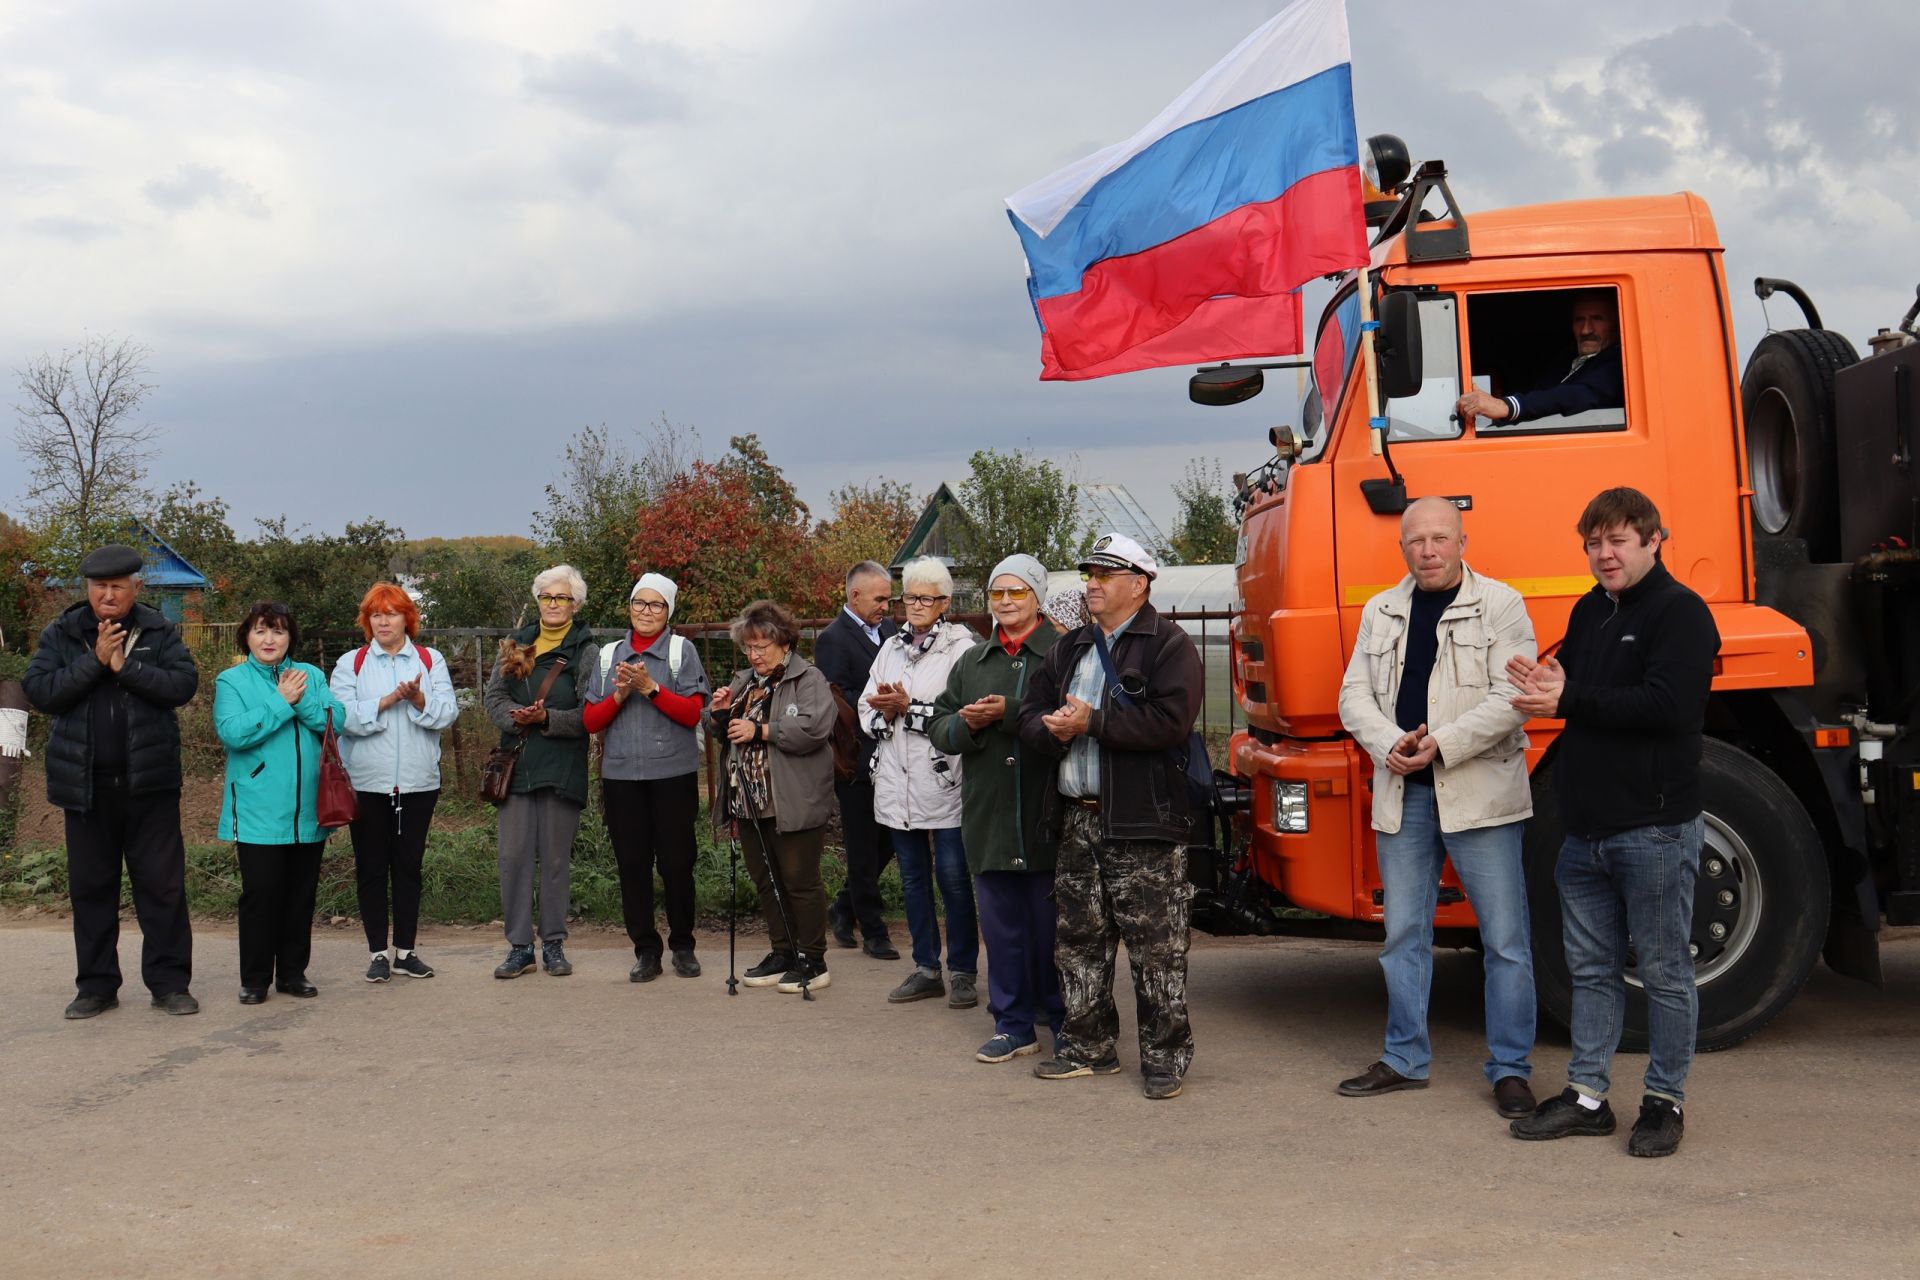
(110, 671)
(1594, 381)
(1114, 703)
(1631, 681)
(844, 652)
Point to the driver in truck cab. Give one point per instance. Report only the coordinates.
(1594, 381)
(1426, 695)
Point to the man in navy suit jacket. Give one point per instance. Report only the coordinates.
(1594, 382)
(844, 652)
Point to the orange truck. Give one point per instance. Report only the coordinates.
(1792, 496)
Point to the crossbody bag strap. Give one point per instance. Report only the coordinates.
(1114, 690)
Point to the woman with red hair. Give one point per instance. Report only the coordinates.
(399, 698)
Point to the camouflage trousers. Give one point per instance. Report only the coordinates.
(1114, 891)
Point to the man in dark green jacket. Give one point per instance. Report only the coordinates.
(111, 671)
(1001, 792)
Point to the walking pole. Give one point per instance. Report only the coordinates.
(780, 901)
(733, 903)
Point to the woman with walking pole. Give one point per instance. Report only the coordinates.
(777, 717)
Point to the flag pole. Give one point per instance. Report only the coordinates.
(1377, 425)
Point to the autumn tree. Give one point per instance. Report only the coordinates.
(589, 515)
(196, 526)
(1016, 502)
(869, 522)
(320, 577)
(469, 583)
(78, 426)
(1203, 533)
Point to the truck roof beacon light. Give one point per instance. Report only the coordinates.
(1383, 170)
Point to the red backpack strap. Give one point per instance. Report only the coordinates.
(426, 659)
(360, 658)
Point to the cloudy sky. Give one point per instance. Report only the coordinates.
(388, 258)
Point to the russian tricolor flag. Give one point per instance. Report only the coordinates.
(1189, 241)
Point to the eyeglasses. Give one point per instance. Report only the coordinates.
(556, 599)
(1009, 593)
(1102, 575)
(755, 648)
(922, 602)
(648, 606)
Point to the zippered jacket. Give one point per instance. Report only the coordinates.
(800, 720)
(273, 752)
(554, 754)
(1143, 778)
(397, 749)
(1480, 771)
(916, 786)
(65, 677)
(1005, 784)
(1639, 670)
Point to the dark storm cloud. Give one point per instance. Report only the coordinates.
(624, 81)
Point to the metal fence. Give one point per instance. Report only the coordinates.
(469, 652)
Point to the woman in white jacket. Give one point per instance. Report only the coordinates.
(399, 699)
(916, 789)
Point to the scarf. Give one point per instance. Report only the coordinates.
(747, 763)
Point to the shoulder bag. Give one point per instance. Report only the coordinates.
(496, 775)
(334, 804)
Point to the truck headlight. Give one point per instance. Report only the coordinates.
(1290, 806)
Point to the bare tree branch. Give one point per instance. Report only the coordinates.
(79, 429)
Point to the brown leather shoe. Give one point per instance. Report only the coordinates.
(1377, 1079)
(1512, 1098)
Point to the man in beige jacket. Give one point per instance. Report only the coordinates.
(1426, 694)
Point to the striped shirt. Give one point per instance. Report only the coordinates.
(1080, 771)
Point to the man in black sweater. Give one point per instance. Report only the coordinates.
(844, 652)
(1631, 681)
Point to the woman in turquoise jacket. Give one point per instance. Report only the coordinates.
(270, 713)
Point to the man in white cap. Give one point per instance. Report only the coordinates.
(1114, 703)
(111, 671)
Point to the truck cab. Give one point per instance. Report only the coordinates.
(1491, 299)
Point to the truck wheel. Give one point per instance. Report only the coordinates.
(1786, 401)
(1759, 906)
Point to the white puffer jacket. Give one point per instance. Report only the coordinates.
(915, 788)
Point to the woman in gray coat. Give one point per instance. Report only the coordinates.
(777, 717)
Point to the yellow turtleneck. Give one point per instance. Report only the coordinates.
(550, 637)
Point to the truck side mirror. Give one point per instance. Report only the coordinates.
(1397, 346)
(1225, 384)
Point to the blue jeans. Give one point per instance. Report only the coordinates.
(1488, 863)
(920, 867)
(1636, 884)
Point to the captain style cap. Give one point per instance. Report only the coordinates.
(1118, 551)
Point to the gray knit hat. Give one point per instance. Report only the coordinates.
(1025, 568)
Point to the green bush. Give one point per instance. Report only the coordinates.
(460, 880)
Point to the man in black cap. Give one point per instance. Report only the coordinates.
(110, 671)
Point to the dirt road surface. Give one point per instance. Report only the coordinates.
(586, 1126)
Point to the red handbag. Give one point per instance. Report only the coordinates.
(335, 804)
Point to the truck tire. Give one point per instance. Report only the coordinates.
(1786, 401)
(1763, 883)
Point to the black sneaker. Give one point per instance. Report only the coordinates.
(1067, 1069)
(685, 964)
(880, 947)
(89, 1005)
(769, 971)
(814, 972)
(519, 960)
(1658, 1130)
(176, 1003)
(1564, 1117)
(380, 970)
(1161, 1084)
(413, 966)
(840, 921)
(554, 960)
(646, 969)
